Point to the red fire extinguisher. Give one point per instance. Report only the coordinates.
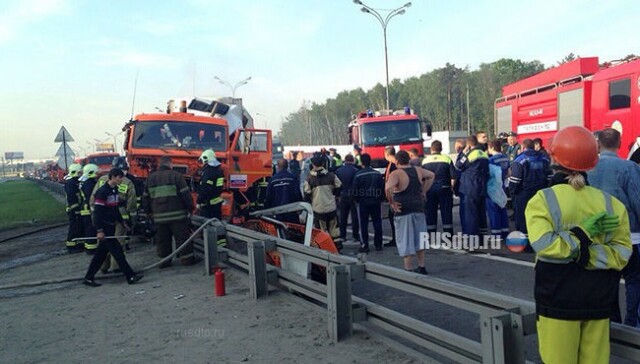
(219, 282)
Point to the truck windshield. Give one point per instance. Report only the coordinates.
(101, 160)
(391, 132)
(179, 135)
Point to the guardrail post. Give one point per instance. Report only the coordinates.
(339, 303)
(257, 269)
(502, 338)
(210, 237)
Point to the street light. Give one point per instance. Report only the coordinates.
(384, 22)
(234, 87)
(115, 142)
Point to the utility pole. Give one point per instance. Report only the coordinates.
(468, 113)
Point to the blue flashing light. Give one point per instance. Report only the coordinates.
(370, 113)
(407, 110)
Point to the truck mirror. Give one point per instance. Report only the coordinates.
(427, 127)
(350, 132)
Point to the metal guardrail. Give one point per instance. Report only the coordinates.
(504, 320)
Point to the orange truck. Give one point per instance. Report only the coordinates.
(191, 126)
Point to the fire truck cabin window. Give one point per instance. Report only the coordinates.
(620, 94)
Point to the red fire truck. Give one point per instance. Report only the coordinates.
(580, 92)
(373, 132)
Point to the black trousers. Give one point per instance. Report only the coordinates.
(211, 211)
(348, 206)
(520, 201)
(373, 210)
(75, 228)
(109, 246)
(393, 225)
(440, 198)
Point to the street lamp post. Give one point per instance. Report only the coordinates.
(115, 142)
(234, 87)
(384, 22)
(265, 119)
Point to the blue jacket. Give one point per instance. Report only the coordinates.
(283, 188)
(475, 173)
(621, 179)
(503, 162)
(368, 186)
(346, 173)
(530, 172)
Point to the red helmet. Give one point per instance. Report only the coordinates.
(574, 148)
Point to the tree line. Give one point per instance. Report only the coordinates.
(439, 96)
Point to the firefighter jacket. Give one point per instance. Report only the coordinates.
(106, 204)
(86, 190)
(442, 166)
(74, 199)
(126, 196)
(530, 172)
(320, 189)
(577, 275)
(166, 196)
(474, 166)
(368, 186)
(283, 188)
(621, 179)
(211, 185)
(346, 174)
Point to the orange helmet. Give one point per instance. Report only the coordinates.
(574, 148)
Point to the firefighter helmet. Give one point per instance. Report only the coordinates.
(90, 171)
(209, 157)
(121, 163)
(74, 170)
(574, 148)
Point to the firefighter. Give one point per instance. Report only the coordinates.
(107, 214)
(474, 165)
(74, 199)
(211, 185)
(128, 208)
(440, 194)
(582, 241)
(283, 189)
(168, 202)
(87, 184)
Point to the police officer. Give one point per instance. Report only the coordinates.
(530, 172)
(335, 160)
(368, 191)
(283, 189)
(74, 199)
(474, 165)
(211, 186)
(87, 184)
(582, 240)
(440, 194)
(346, 202)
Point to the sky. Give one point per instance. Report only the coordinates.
(75, 63)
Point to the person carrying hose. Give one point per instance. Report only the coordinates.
(582, 241)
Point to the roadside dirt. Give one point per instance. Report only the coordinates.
(170, 315)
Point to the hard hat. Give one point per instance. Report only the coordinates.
(209, 157)
(574, 148)
(503, 135)
(120, 163)
(74, 170)
(90, 171)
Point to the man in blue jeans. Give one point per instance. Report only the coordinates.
(621, 179)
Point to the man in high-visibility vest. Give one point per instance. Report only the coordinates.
(582, 241)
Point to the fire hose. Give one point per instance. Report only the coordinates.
(149, 267)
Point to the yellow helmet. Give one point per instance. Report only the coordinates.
(209, 157)
(90, 171)
(75, 170)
